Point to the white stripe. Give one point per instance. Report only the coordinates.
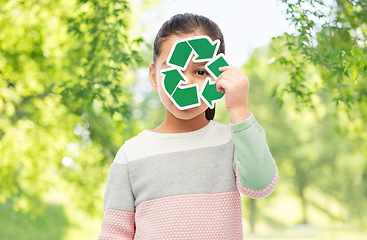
(148, 143)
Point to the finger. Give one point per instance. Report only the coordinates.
(222, 90)
(222, 69)
(218, 79)
(223, 84)
(231, 68)
(228, 75)
(226, 68)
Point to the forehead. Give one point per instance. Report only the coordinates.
(167, 45)
(168, 42)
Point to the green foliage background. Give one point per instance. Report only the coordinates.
(69, 70)
(65, 67)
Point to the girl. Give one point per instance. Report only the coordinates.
(183, 179)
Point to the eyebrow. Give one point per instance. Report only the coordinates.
(196, 63)
(200, 63)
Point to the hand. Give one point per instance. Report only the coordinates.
(235, 84)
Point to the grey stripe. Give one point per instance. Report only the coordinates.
(205, 170)
(118, 193)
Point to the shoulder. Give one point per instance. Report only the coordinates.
(220, 127)
(131, 145)
(120, 156)
(219, 130)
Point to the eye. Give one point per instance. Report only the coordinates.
(201, 72)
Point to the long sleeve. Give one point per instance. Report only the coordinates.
(256, 171)
(119, 211)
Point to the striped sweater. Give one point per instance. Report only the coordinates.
(187, 185)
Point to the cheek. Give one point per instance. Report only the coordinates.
(159, 83)
(162, 94)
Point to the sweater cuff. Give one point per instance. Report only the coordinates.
(238, 127)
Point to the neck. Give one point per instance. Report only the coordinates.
(173, 124)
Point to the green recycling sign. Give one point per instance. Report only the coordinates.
(200, 49)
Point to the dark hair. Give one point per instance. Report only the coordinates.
(185, 24)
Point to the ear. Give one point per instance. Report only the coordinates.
(153, 77)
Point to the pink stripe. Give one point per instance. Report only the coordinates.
(190, 216)
(257, 194)
(117, 224)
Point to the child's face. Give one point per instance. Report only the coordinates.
(195, 73)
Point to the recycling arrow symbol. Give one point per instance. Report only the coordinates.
(202, 49)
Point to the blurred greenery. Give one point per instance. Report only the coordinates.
(74, 86)
(65, 70)
(331, 35)
(51, 225)
(322, 166)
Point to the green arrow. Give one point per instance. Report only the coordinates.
(214, 65)
(186, 97)
(180, 55)
(209, 93)
(171, 79)
(204, 47)
(183, 97)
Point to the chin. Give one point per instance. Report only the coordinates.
(185, 114)
(188, 113)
